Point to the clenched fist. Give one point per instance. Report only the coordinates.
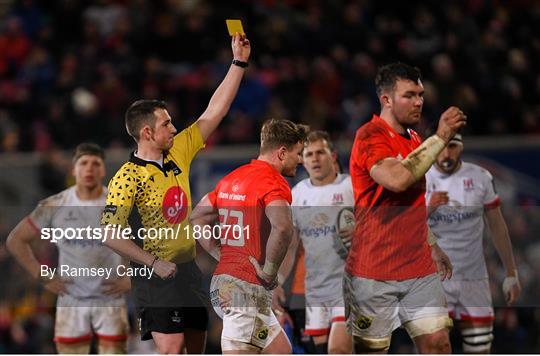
(450, 122)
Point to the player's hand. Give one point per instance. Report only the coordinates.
(117, 286)
(437, 199)
(164, 269)
(57, 285)
(268, 282)
(444, 266)
(241, 47)
(278, 300)
(450, 122)
(346, 236)
(511, 289)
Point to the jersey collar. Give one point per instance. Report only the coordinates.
(168, 165)
(393, 133)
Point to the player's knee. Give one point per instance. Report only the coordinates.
(429, 326)
(363, 344)
(112, 347)
(477, 340)
(431, 333)
(73, 348)
(440, 343)
(169, 349)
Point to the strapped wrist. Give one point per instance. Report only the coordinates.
(270, 268)
(431, 238)
(512, 274)
(240, 63)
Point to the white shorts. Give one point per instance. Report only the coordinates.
(376, 308)
(78, 320)
(321, 315)
(469, 300)
(246, 310)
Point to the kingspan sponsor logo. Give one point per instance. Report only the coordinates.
(319, 231)
(450, 218)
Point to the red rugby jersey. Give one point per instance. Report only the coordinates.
(241, 198)
(390, 238)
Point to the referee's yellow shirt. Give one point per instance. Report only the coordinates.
(161, 197)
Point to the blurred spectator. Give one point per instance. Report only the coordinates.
(53, 171)
(316, 58)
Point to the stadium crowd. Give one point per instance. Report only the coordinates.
(69, 68)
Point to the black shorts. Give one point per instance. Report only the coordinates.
(169, 306)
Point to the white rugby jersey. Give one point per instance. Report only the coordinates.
(315, 210)
(459, 225)
(66, 210)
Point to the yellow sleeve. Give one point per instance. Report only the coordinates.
(120, 198)
(187, 143)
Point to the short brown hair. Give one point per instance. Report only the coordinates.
(276, 133)
(388, 75)
(319, 135)
(88, 148)
(141, 113)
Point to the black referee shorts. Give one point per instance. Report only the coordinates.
(169, 306)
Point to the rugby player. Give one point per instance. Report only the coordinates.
(460, 195)
(252, 206)
(391, 277)
(87, 306)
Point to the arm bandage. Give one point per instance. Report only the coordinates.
(419, 160)
(431, 238)
(270, 268)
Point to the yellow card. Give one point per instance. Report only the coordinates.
(234, 26)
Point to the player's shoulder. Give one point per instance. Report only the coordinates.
(369, 130)
(432, 172)
(302, 185)
(476, 170)
(343, 179)
(300, 189)
(59, 199)
(129, 167)
(129, 170)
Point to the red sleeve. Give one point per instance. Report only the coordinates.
(212, 197)
(373, 149)
(279, 190)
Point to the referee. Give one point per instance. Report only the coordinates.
(150, 194)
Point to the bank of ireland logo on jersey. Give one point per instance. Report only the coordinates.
(175, 205)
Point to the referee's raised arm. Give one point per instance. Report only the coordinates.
(224, 95)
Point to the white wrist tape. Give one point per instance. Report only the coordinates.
(270, 268)
(420, 160)
(509, 282)
(431, 238)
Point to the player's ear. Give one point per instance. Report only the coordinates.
(145, 133)
(385, 99)
(282, 152)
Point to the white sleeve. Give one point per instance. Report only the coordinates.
(43, 214)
